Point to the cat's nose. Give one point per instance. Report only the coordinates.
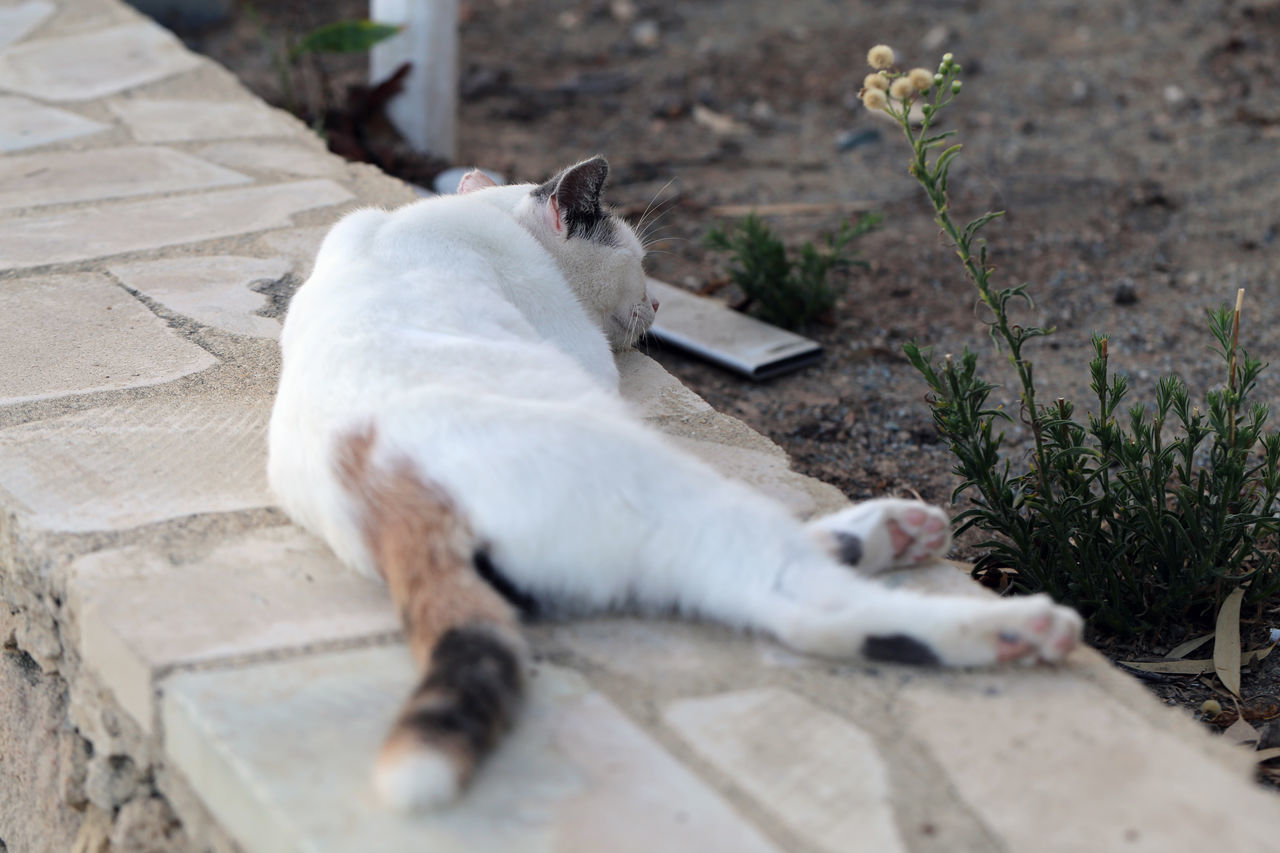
(654, 303)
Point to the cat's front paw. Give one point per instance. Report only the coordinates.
(1032, 629)
(885, 533)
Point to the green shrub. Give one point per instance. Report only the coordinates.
(779, 289)
(1140, 518)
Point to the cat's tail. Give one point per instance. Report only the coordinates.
(462, 633)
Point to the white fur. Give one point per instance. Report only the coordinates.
(416, 781)
(475, 338)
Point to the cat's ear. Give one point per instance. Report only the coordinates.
(475, 180)
(573, 196)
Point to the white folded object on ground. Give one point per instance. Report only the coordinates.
(731, 339)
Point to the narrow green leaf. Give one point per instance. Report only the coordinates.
(344, 37)
(974, 226)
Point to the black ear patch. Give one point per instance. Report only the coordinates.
(577, 193)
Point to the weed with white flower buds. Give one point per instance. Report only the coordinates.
(1140, 525)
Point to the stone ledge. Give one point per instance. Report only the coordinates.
(195, 653)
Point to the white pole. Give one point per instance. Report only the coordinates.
(425, 110)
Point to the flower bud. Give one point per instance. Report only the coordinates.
(955, 88)
(880, 56)
(920, 78)
(902, 88)
(876, 81)
(938, 78)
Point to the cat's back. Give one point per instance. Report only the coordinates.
(439, 297)
(436, 265)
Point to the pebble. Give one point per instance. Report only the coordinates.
(646, 33)
(847, 140)
(1126, 293)
(1173, 95)
(623, 10)
(936, 37)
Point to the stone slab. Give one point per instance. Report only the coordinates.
(213, 289)
(34, 180)
(79, 333)
(300, 245)
(16, 21)
(143, 613)
(25, 123)
(656, 394)
(137, 463)
(130, 226)
(165, 120)
(281, 754)
(818, 774)
(1056, 764)
(275, 157)
(767, 473)
(87, 66)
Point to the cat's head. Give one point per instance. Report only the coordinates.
(596, 250)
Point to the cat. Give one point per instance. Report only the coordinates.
(448, 419)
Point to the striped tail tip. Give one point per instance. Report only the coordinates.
(453, 719)
(415, 777)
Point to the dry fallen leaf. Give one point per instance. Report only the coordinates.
(1240, 732)
(1226, 642)
(1181, 650)
(1195, 666)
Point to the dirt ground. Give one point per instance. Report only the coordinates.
(1133, 144)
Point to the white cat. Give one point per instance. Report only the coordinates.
(448, 418)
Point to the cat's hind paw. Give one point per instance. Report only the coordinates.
(885, 533)
(1029, 630)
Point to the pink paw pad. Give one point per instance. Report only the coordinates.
(1011, 646)
(917, 535)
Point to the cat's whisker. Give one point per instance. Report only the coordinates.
(649, 206)
(669, 238)
(643, 229)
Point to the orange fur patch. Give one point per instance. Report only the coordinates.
(420, 545)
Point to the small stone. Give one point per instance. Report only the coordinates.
(147, 825)
(623, 11)
(73, 761)
(646, 33)
(935, 38)
(762, 111)
(93, 834)
(1079, 92)
(111, 780)
(1126, 293)
(671, 105)
(1174, 95)
(848, 140)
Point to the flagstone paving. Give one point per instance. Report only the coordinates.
(216, 679)
(78, 332)
(25, 123)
